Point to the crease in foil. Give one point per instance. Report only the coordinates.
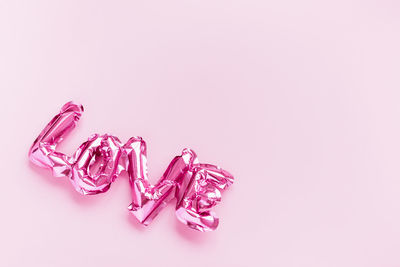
(98, 162)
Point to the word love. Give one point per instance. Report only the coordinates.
(98, 162)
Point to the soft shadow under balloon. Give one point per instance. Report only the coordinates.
(63, 184)
(191, 235)
(135, 223)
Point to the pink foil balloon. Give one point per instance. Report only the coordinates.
(99, 161)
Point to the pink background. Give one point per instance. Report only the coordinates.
(298, 99)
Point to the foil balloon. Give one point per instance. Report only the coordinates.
(99, 161)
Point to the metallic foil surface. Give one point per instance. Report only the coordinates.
(98, 162)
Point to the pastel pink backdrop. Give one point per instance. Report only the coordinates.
(298, 99)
